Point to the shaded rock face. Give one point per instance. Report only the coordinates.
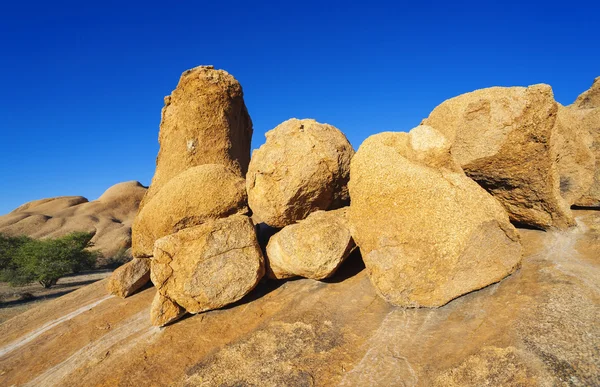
(129, 278)
(191, 198)
(204, 121)
(208, 266)
(536, 327)
(313, 248)
(303, 167)
(575, 160)
(586, 118)
(109, 217)
(503, 138)
(423, 227)
(164, 311)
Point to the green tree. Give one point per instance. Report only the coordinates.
(47, 260)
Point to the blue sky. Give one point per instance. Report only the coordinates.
(83, 82)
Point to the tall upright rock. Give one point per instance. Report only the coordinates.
(427, 233)
(204, 121)
(504, 138)
(586, 112)
(303, 167)
(575, 159)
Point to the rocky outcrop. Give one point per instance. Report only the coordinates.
(586, 117)
(302, 167)
(129, 278)
(423, 227)
(574, 157)
(539, 327)
(589, 99)
(164, 311)
(191, 198)
(204, 121)
(312, 248)
(109, 218)
(208, 266)
(503, 139)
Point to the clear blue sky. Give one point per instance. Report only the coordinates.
(83, 82)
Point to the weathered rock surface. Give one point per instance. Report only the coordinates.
(538, 326)
(427, 232)
(313, 248)
(204, 121)
(109, 217)
(129, 278)
(302, 167)
(586, 113)
(201, 193)
(164, 311)
(503, 138)
(589, 99)
(575, 160)
(208, 266)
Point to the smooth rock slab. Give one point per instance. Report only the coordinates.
(312, 248)
(208, 266)
(427, 233)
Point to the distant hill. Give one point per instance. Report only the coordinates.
(109, 217)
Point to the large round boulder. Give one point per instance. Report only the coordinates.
(302, 167)
(427, 232)
(312, 248)
(204, 121)
(503, 137)
(208, 266)
(201, 193)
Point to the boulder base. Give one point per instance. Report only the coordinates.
(130, 277)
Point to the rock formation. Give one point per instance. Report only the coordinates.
(204, 121)
(425, 230)
(575, 159)
(302, 167)
(109, 217)
(209, 191)
(503, 139)
(129, 278)
(589, 99)
(164, 311)
(312, 248)
(586, 113)
(208, 266)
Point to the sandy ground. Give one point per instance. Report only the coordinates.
(16, 300)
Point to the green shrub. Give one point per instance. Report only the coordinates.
(46, 260)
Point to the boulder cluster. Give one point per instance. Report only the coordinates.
(431, 210)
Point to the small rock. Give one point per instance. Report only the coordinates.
(313, 248)
(164, 311)
(130, 277)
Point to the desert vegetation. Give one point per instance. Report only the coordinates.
(24, 260)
